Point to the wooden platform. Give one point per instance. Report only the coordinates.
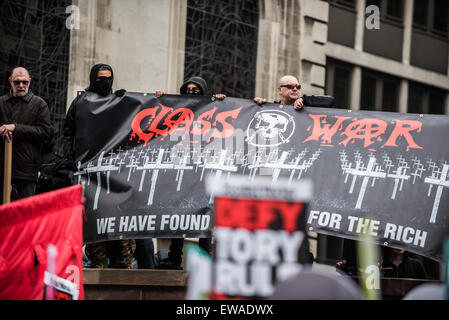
(135, 284)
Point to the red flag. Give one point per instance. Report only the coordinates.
(27, 228)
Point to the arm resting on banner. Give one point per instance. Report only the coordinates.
(7, 172)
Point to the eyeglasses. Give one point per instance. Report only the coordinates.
(18, 82)
(291, 86)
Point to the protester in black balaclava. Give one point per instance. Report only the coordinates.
(101, 79)
(119, 253)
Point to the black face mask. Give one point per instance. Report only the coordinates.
(191, 91)
(103, 86)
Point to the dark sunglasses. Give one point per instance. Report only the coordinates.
(18, 82)
(290, 86)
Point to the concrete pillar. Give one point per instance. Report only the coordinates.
(360, 25)
(403, 96)
(142, 40)
(408, 27)
(356, 88)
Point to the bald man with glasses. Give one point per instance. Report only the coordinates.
(288, 90)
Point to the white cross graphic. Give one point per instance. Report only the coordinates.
(441, 183)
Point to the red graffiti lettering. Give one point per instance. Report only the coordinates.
(227, 128)
(180, 119)
(149, 130)
(364, 129)
(369, 130)
(325, 131)
(203, 124)
(402, 129)
(165, 121)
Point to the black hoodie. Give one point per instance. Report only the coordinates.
(69, 123)
(93, 76)
(196, 80)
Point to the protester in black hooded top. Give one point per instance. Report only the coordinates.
(193, 86)
(120, 253)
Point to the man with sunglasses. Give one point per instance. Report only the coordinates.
(288, 91)
(24, 119)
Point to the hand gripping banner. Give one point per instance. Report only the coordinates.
(28, 229)
(143, 161)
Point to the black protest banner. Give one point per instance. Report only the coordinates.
(144, 160)
(259, 235)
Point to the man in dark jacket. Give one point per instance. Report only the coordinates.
(24, 119)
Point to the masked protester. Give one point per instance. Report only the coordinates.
(193, 86)
(114, 254)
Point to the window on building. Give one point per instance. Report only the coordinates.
(390, 94)
(389, 9)
(420, 12)
(431, 16)
(425, 99)
(368, 97)
(440, 16)
(380, 92)
(338, 82)
(221, 45)
(347, 3)
(436, 101)
(394, 9)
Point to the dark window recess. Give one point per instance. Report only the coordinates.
(376, 3)
(436, 101)
(441, 16)
(342, 84)
(380, 92)
(420, 8)
(415, 98)
(389, 9)
(221, 45)
(368, 97)
(34, 35)
(347, 3)
(394, 9)
(425, 99)
(431, 16)
(390, 96)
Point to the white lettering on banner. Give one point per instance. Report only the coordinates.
(190, 222)
(137, 223)
(406, 235)
(325, 219)
(242, 245)
(364, 225)
(105, 225)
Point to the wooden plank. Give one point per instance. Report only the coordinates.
(134, 284)
(7, 172)
(135, 277)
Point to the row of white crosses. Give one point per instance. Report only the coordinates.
(375, 171)
(217, 161)
(278, 163)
